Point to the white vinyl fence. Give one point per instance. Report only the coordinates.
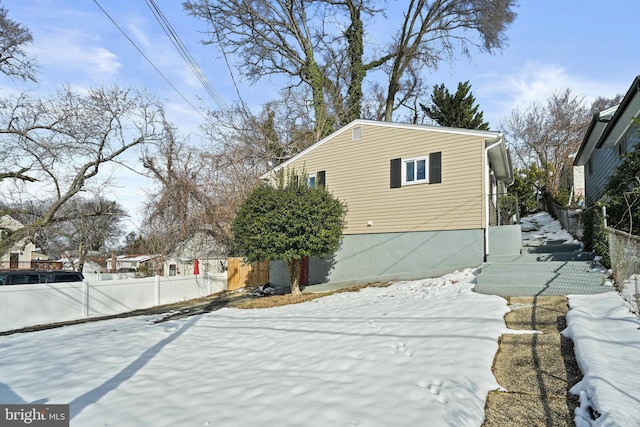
(39, 304)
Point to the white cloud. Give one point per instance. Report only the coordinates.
(72, 51)
(139, 34)
(518, 88)
(535, 82)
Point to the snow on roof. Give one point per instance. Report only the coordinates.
(136, 258)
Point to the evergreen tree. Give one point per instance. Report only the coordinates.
(288, 221)
(457, 110)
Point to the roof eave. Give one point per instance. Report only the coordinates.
(620, 112)
(500, 159)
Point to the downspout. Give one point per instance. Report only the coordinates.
(495, 142)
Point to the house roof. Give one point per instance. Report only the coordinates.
(10, 223)
(199, 246)
(608, 126)
(134, 258)
(501, 160)
(621, 120)
(594, 132)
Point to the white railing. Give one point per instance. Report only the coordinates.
(38, 304)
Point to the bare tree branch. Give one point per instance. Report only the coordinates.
(14, 38)
(64, 142)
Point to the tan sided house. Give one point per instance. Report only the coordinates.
(421, 200)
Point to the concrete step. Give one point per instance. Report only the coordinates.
(544, 242)
(542, 290)
(528, 258)
(551, 248)
(540, 278)
(539, 283)
(559, 267)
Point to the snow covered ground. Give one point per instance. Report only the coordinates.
(607, 346)
(542, 227)
(415, 353)
(606, 337)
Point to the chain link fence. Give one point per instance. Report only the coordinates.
(570, 219)
(624, 251)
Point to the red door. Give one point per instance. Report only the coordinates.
(304, 271)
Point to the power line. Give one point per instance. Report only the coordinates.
(186, 55)
(148, 60)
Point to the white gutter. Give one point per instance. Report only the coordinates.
(487, 183)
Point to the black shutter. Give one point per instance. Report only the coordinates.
(320, 178)
(396, 173)
(435, 168)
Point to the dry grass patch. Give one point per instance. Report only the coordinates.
(280, 300)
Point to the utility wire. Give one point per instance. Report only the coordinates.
(148, 60)
(226, 59)
(184, 52)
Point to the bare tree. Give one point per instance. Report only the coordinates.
(324, 45)
(180, 204)
(84, 232)
(14, 38)
(548, 134)
(198, 189)
(430, 31)
(59, 147)
(94, 226)
(272, 37)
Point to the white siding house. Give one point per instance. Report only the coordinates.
(19, 255)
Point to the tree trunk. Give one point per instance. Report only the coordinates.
(294, 276)
(81, 258)
(354, 35)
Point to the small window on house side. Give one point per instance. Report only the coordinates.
(356, 133)
(312, 181)
(415, 171)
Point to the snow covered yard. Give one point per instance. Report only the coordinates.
(415, 353)
(606, 339)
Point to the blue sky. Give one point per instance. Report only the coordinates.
(588, 46)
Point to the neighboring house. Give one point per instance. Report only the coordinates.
(421, 200)
(19, 255)
(135, 263)
(211, 257)
(95, 266)
(610, 135)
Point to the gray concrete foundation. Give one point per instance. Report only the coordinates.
(366, 258)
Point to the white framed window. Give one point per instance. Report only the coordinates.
(356, 133)
(312, 181)
(418, 170)
(415, 171)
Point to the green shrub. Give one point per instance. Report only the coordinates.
(288, 221)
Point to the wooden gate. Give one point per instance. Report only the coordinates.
(240, 275)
